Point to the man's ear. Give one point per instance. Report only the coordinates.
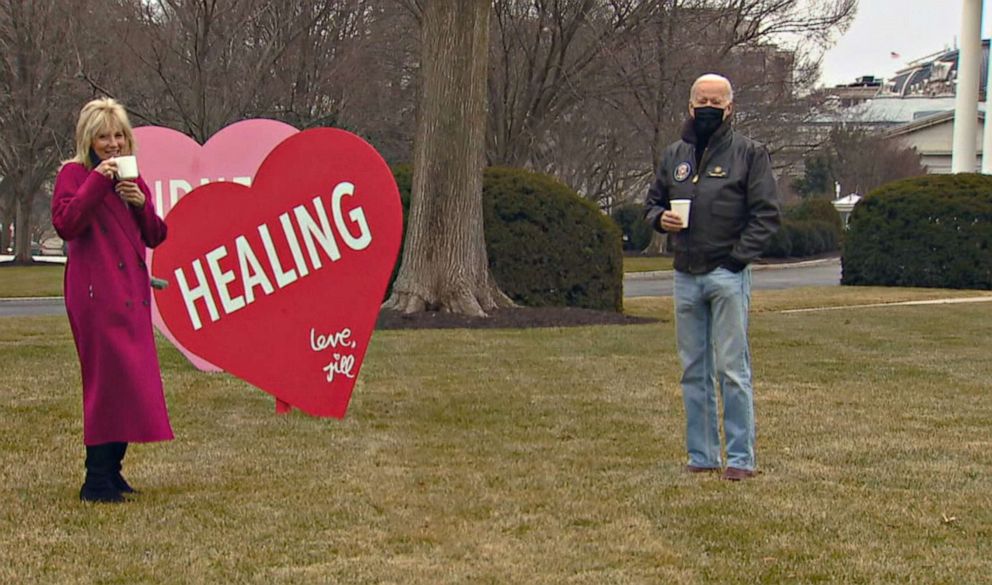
(692, 112)
(730, 110)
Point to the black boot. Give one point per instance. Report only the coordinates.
(116, 478)
(100, 462)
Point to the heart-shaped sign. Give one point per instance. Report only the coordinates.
(280, 283)
(173, 164)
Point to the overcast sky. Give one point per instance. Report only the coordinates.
(910, 28)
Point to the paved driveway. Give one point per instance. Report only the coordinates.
(763, 277)
(32, 307)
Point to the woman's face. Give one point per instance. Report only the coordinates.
(109, 142)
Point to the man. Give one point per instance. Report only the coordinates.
(734, 210)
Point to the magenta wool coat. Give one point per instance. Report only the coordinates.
(108, 299)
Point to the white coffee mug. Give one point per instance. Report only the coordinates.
(127, 168)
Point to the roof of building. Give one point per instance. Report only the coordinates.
(926, 122)
(935, 74)
(888, 110)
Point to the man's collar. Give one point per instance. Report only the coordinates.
(689, 132)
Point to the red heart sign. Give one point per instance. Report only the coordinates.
(280, 283)
(173, 163)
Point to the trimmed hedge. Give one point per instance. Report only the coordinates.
(810, 228)
(546, 245)
(933, 231)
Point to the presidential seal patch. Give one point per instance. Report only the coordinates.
(682, 172)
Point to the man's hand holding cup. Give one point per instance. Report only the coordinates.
(676, 219)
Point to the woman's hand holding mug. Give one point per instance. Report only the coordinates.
(107, 168)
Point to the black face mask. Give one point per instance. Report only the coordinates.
(705, 122)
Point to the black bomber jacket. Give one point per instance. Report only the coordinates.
(735, 202)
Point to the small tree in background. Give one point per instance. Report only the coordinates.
(859, 161)
(818, 177)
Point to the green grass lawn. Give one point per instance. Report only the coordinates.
(530, 456)
(40, 280)
(646, 263)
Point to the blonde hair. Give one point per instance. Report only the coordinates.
(96, 116)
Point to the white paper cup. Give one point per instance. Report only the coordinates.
(681, 207)
(127, 168)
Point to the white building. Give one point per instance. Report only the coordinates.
(932, 137)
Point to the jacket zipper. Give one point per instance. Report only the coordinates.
(695, 192)
(702, 165)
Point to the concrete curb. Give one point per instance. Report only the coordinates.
(947, 301)
(30, 299)
(46, 259)
(655, 274)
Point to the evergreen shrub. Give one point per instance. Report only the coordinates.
(932, 231)
(547, 246)
(810, 228)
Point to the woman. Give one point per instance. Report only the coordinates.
(107, 225)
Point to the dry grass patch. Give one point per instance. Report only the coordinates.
(537, 456)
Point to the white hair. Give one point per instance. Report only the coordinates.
(713, 77)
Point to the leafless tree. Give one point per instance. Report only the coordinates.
(859, 160)
(380, 102)
(547, 57)
(204, 64)
(445, 265)
(38, 97)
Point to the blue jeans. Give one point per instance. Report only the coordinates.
(711, 312)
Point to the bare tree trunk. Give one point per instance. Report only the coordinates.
(445, 265)
(22, 228)
(6, 213)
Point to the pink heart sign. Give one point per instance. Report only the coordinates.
(173, 164)
(280, 283)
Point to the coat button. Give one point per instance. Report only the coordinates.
(145, 303)
(127, 304)
(120, 265)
